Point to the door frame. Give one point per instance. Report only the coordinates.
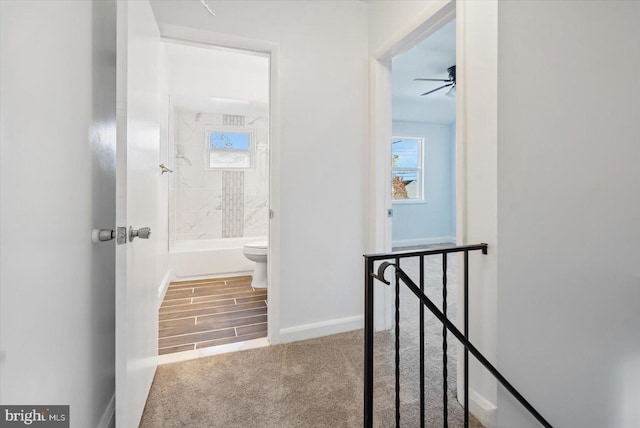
(380, 119)
(380, 153)
(197, 37)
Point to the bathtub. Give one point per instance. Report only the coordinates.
(210, 257)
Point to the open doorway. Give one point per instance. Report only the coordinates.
(429, 204)
(219, 127)
(423, 143)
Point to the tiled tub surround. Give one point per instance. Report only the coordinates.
(203, 313)
(200, 197)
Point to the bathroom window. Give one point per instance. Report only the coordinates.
(229, 148)
(407, 183)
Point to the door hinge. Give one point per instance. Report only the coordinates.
(389, 212)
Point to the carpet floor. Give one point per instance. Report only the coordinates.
(315, 383)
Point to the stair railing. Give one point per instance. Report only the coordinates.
(463, 337)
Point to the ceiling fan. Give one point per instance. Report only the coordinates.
(451, 81)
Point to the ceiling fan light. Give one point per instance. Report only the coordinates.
(451, 92)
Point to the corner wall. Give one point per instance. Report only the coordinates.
(477, 147)
(569, 212)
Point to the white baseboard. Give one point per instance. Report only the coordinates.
(423, 241)
(108, 419)
(164, 285)
(483, 409)
(319, 329)
(176, 277)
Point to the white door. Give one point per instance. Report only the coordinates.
(139, 127)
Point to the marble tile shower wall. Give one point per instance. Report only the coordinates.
(213, 204)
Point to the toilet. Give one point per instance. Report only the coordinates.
(257, 252)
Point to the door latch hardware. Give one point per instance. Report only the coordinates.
(122, 236)
(101, 235)
(142, 233)
(389, 212)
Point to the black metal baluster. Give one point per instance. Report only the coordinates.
(397, 347)
(421, 344)
(444, 341)
(368, 343)
(442, 317)
(370, 276)
(466, 336)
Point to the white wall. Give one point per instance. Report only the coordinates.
(432, 221)
(476, 115)
(57, 65)
(201, 71)
(322, 94)
(568, 212)
(389, 20)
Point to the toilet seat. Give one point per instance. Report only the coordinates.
(262, 245)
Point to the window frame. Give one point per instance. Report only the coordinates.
(420, 199)
(213, 129)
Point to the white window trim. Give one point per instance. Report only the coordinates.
(209, 129)
(421, 173)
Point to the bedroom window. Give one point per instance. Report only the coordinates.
(407, 181)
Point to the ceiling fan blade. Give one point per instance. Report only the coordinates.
(432, 80)
(437, 89)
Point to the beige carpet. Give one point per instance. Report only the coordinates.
(314, 383)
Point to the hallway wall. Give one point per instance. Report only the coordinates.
(322, 94)
(58, 85)
(568, 212)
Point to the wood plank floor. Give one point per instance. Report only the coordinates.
(209, 312)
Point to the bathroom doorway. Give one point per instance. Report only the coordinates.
(219, 200)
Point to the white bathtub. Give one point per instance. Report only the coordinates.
(210, 257)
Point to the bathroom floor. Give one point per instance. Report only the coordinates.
(202, 313)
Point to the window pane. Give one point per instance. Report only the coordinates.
(405, 185)
(405, 153)
(229, 150)
(406, 168)
(229, 159)
(229, 141)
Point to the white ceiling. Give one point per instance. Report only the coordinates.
(430, 58)
(217, 80)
